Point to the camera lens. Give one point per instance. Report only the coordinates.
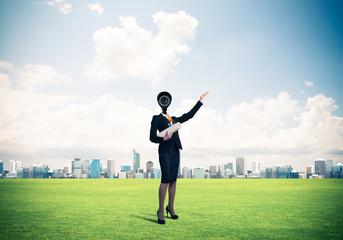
(164, 99)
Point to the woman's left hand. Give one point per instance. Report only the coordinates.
(202, 97)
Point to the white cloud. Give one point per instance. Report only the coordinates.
(33, 75)
(97, 8)
(6, 66)
(62, 7)
(4, 80)
(308, 83)
(46, 128)
(132, 51)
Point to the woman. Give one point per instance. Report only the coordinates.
(168, 150)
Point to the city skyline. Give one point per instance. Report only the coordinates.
(76, 80)
(322, 168)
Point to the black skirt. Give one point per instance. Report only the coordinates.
(169, 163)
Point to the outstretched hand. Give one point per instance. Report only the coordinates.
(167, 137)
(202, 97)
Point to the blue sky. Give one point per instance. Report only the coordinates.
(241, 50)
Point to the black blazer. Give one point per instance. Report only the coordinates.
(159, 122)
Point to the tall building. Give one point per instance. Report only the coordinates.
(337, 171)
(77, 168)
(1, 166)
(328, 168)
(125, 168)
(149, 166)
(241, 166)
(213, 171)
(186, 172)
(12, 166)
(199, 173)
(136, 161)
(86, 168)
(319, 167)
(110, 169)
(228, 166)
(66, 170)
(254, 166)
(95, 168)
(157, 173)
(17, 165)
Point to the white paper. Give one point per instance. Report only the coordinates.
(171, 129)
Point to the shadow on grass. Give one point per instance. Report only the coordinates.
(146, 219)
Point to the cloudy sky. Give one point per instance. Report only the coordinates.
(80, 79)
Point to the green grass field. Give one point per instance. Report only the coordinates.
(208, 209)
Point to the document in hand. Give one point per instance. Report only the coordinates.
(171, 129)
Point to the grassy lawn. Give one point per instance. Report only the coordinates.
(208, 209)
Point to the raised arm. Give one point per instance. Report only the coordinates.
(185, 117)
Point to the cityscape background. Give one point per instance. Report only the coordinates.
(322, 168)
(80, 79)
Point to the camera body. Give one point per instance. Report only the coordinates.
(164, 100)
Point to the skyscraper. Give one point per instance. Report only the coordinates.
(228, 166)
(199, 173)
(136, 161)
(149, 166)
(186, 172)
(86, 168)
(213, 171)
(95, 168)
(12, 166)
(328, 168)
(17, 165)
(319, 167)
(125, 168)
(1, 166)
(241, 166)
(254, 166)
(110, 169)
(157, 173)
(77, 168)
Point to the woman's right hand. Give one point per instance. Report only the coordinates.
(167, 137)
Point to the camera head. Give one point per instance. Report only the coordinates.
(164, 100)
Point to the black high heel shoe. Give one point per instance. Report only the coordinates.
(172, 216)
(159, 221)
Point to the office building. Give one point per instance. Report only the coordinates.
(23, 172)
(139, 175)
(157, 173)
(110, 169)
(95, 168)
(1, 166)
(186, 172)
(77, 168)
(213, 171)
(86, 168)
(319, 167)
(122, 175)
(228, 166)
(241, 166)
(125, 168)
(12, 166)
(337, 171)
(199, 173)
(328, 168)
(136, 161)
(17, 165)
(149, 166)
(254, 166)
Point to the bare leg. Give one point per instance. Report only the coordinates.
(172, 190)
(161, 196)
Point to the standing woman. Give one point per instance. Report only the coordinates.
(168, 150)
